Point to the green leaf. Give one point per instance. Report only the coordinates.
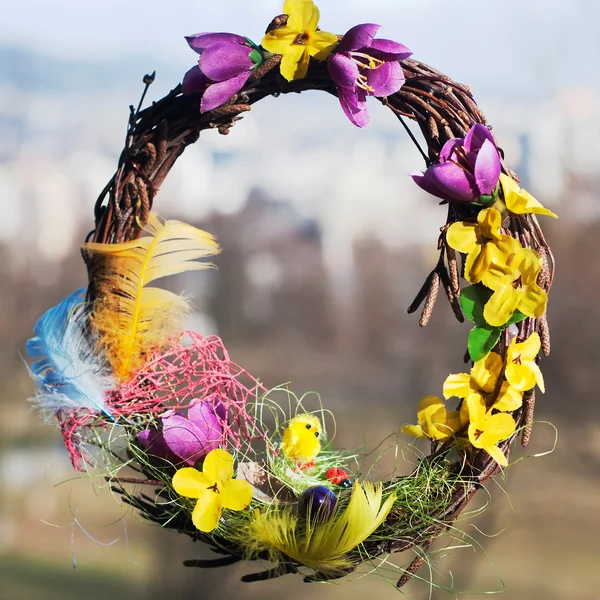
(482, 340)
(517, 317)
(472, 301)
(486, 200)
(256, 57)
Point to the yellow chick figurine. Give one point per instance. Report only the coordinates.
(301, 440)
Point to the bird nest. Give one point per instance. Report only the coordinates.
(253, 472)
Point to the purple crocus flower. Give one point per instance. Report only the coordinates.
(468, 168)
(362, 66)
(226, 62)
(187, 439)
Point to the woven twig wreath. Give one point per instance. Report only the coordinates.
(217, 458)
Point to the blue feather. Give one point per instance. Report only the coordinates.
(70, 373)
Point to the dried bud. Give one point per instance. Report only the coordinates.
(277, 22)
(512, 331)
(148, 79)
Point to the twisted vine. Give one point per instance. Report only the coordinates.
(443, 109)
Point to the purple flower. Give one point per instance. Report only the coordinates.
(362, 66)
(468, 168)
(187, 439)
(226, 62)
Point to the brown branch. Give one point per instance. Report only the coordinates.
(442, 107)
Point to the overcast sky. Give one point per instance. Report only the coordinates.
(547, 42)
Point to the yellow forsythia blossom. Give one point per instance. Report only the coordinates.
(486, 430)
(299, 39)
(519, 201)
(214, 489)
(522, 372)
(435, 423)
(483, 244)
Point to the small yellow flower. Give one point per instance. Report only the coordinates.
(515, 287)
(435, 423)
(519, 201)
(509, 399)
(487, 430)
(522, 372)
(483, 244)
(214, 488)
(483, 381)
(299, 39)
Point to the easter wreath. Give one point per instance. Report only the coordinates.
(216, 457)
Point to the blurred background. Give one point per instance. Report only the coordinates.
(326, 241)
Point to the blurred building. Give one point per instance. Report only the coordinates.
(271, 285)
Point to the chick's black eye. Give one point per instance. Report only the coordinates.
(308, 426)
(316, 434)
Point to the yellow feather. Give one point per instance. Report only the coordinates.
(323, 547)
(132, 318)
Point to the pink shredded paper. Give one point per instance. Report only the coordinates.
(193, 367)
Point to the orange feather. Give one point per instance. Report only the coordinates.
(133, 319)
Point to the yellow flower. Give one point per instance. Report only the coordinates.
(299, 39)
(214, 488)
(434, 422)
(486, 429)
(522, 372)
(483, 381)
(515, 287)
(509, 399)
(519, 201)
(483, 244)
